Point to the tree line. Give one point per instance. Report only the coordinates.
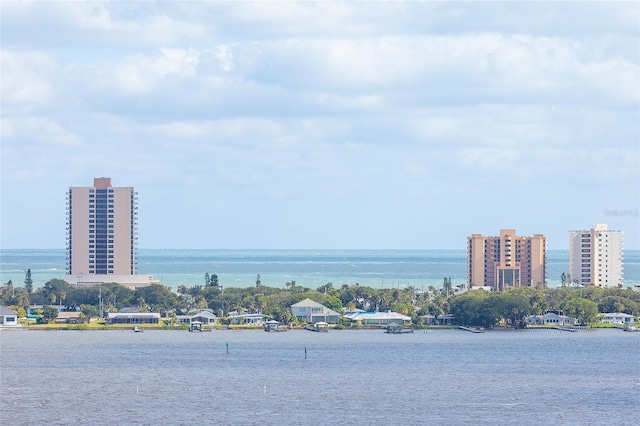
(477, 307)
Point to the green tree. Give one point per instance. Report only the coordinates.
(515, 304)
(334, 303)
(207, 280)
(19, 310)
(49, 314)
(28, 282)
(618, 304)
(585, 311)
(214, 281)
(477, 307)
(447, 287)
(90, 311)
(158, 298)
(258, 281)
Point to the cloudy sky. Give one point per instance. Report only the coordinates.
(382, 125)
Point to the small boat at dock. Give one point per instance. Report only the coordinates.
(395, 328)
(137, 329)
(197, 326)
(321, 327)
(274, 326)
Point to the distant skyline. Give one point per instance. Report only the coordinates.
(323, 125)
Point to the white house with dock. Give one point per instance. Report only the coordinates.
(204, 317)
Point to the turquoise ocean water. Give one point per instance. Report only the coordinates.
(310, 268)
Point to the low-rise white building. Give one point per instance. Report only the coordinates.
(133, 318)
(619, 318)
(203, 317)
(551, 318)
(130, 281)
(8, 317)
(377, 318)
(245, 318)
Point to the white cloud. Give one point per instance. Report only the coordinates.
(28, 78)
(373, 107)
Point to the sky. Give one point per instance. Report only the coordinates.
(323, 125)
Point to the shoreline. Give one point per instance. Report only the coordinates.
(79, 327)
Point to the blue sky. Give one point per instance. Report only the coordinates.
(324, 125)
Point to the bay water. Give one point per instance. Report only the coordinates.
(309, 268)
(443, 377)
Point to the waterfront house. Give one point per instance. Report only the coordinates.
(245, 318)
(70, 317)
(133, 318)
(550, 318)
(8, 317)
(619, 318)
(312, 312)
(447, 319)
(204, 317)
(378, 318)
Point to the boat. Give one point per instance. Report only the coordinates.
(137, 329)
(321, 327)
(274, 325)
(395, 328)
(630, 328)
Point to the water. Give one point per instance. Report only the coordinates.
(310, 268)
(539, 377)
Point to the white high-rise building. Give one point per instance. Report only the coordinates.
(595, 256)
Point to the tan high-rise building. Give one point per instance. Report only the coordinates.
(595, 257)
(507, 261)
(102, 230)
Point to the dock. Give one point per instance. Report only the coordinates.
(572, 330)
(321, 327)
(471, 329)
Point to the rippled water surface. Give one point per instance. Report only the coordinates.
(348, 377)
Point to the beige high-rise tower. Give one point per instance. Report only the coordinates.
(507, 261)
(102, 229)
(595, 257)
